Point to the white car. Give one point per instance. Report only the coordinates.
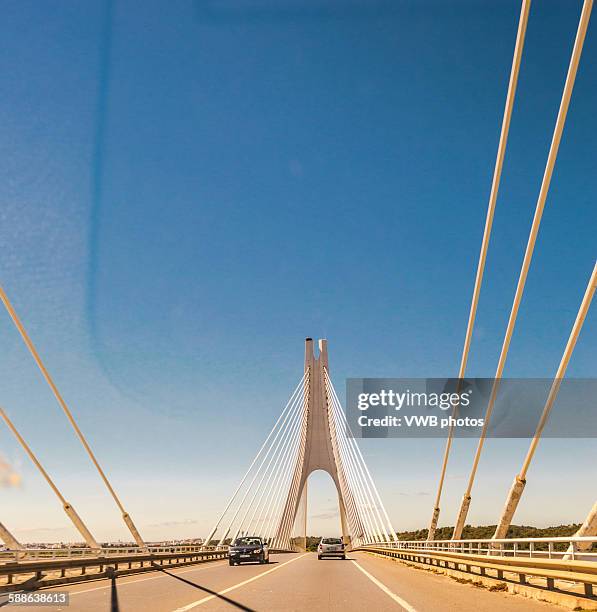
(331, 547)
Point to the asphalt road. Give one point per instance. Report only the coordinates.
(289, 582)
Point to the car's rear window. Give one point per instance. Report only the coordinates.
(331, 541)
(247, 542)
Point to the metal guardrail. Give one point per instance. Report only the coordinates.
(26, 575)
(518, 557)
(32, 554)
(550, 548)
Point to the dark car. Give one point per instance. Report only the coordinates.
(248, 549)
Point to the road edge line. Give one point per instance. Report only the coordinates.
(385, 589)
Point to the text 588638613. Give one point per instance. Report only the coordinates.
(54, 598)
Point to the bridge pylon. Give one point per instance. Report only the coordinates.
(321, 450)
(312, 433)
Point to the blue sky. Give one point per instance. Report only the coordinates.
(188, 189)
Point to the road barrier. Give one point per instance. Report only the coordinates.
(573, 548)
(513, 560)
(32, 554)
(28, 575)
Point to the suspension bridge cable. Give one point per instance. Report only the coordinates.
(364, 522)
(371, 528)
(364, 527)
(276, 477)
(214, 529)
(278, 451)
(354, 519)
(13, 315)
(279, 478)
(363, 505)
(545, 183)
(578, 324)
(376, 491)
(357, 483)
(519, 483)
(279, 517)
(369, 505)
(70, 511)
(359, 522)
(361, 468)
(499, 162)
(270, 508)
(360, 475)
(283, 484)
(256, 473)
(366, 493)
(286, 523)
(278, 520)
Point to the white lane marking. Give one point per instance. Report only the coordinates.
(109, 586)
(385, 589)
(194, 604)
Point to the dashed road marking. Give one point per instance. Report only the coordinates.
(121, 584)
(194, 604)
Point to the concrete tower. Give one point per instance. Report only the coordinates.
(321, 452)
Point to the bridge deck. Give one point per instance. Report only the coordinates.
(290, 582)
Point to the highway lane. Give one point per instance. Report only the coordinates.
(290, 582)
